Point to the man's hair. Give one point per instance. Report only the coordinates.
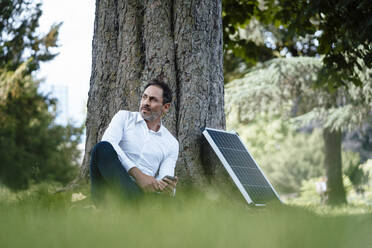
(167, 93)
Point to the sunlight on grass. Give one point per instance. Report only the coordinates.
(43, 219)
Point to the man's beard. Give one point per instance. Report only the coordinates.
(151, 115)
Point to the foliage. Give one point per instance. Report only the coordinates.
(19, 40)
(32, 147)
(344, 36)
(364, 188)
(339, 30)
(286, 87)
(41, 195)
(272, 86)
(244, 38)
(352, 168)
(360, 140)
(309, 195)
(294, 156)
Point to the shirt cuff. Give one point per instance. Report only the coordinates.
(127, 164)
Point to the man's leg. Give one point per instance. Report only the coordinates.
(106, 169)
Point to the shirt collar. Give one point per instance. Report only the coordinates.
(140, 118)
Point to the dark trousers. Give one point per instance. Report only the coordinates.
(106, 170)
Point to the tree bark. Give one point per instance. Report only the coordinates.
(178, 41)
(333, 164)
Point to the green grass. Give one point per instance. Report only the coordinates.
(38, 218)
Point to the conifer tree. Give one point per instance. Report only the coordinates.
(32, 147)
(287, 87)
(19, 37)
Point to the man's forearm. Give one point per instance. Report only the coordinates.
(147, 183)
(135, 172)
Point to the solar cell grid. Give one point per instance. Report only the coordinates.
(235, 158)
(243, 166)
(226, 141)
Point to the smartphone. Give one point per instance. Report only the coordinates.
(170, 178)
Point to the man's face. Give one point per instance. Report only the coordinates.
(151, 107)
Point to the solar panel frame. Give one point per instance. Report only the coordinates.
(231, 172)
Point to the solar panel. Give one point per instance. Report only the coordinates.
(242, 168)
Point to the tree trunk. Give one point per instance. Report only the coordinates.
(333, 164)
(178, 41)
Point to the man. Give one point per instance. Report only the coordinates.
(137, 153)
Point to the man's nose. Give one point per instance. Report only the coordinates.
(146, 102)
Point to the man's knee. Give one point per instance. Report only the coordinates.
(103, 149)
(103, 145)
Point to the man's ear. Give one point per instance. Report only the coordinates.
(166, 107)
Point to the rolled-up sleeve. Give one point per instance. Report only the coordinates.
(113, 135)
(169, 163)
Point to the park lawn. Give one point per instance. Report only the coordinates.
(43, 219)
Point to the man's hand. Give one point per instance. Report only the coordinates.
(145, 182)
(167, 185)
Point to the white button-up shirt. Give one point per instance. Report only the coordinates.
(154, 153)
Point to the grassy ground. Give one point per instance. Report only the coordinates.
(38, 218)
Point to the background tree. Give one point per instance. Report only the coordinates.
(340, 30)
(287, 86)
(33, 148)
(177, 41)
(19, 39)
(290, 155)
